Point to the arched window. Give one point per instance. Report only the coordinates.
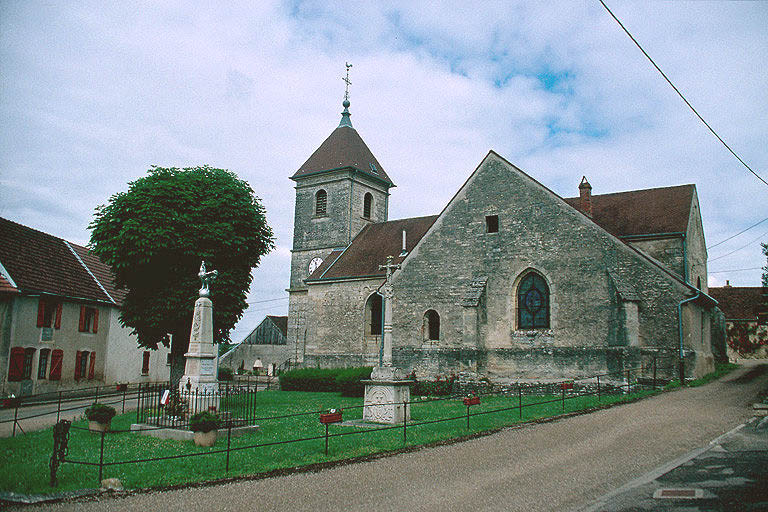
(367, 204)
(321, 203)
(533, 303)
(373, 318)
(431, 326)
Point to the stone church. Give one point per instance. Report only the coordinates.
(509, 282)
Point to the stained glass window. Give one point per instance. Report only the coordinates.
(533, 303)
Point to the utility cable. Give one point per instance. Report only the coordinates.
(740, 248)
(737, 234)
(681, 95)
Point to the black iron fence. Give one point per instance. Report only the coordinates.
(163, 406)
(517, 400)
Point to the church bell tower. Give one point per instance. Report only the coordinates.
(340, 189)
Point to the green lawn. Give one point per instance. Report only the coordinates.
(25, 458)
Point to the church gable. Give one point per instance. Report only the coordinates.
(537, 252)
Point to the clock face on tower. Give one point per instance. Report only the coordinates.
(313, 265)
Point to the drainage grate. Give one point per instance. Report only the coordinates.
(686, 494)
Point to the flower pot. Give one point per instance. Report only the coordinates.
(205, 438)
(97, 426)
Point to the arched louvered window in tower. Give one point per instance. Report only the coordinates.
(321, 203)
(367, 205)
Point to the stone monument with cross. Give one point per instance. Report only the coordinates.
(388, 393)
(200, 380)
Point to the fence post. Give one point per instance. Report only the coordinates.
(654, 372)
(229, 438)
(16, 415)
(124, 390)
(562, 393)
(58, 408)
(101, 456)
(629, 383)
(97, 394)
(405, 423)
(138, 404)
(598, 389)
(520, 400)
(326, 439)
(467, 417)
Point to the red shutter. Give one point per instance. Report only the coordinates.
(77, 365)
(95, 320)
(91, 365)
(56, 357)
(16, 366)
(57, 323)
(81, 325)
(145, 363)
(40, 312)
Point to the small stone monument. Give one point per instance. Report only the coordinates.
(200, 371)
(387, 394)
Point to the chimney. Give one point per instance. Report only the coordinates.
(403, 252)
(585, 194)
(727, 283)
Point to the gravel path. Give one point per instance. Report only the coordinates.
(560, 465)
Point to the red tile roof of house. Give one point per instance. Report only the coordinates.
(40, 263)
(739, 302)
(344, 148)
(642, 212)
(6, 287)
(370, 248)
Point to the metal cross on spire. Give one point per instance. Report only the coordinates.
(346, 81)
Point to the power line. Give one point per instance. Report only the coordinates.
(740, 248)
(267, 300)
(681, 95)
(737, 234)
(734, 270)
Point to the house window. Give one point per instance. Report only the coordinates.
(81, 364)
(57, 356)
(533, 303)
(145, 363)
(373, 315)
(42, 363)
(491, 223)
(167, 359)
(431, 326)
(91, 365)
(321, 203)
(49, 313)
(89, 319)
(29, 354)
(367, 204)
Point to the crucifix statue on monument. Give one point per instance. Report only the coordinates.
(385, 353)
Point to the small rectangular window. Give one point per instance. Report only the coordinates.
(145, 363)
(491, 223)
(29, 354)
(89, 319)
(168, 359)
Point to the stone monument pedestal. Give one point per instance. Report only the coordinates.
(200, 385)
(387, 396)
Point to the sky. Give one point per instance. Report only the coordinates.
(93, 93)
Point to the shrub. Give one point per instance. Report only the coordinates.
(310, 379)
(100, 413)
(204, 421)
(225, 373)
(348, 380)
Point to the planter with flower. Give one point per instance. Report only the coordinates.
(99, 417)
(204, 425)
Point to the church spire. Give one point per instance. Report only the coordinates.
(345, 121)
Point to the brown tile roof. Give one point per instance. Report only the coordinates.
(739, 302)
(101, 271)
(281, 322)
(371, 247)
(41, 263)
(6, 287)
(642, 212)
(344, 148)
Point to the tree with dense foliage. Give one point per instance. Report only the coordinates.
(154, 237)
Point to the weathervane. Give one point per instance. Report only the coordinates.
(346, 81)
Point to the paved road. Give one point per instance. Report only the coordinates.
(562, 465)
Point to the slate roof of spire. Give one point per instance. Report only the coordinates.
(642, 212)
(40, 263)
(343, 149)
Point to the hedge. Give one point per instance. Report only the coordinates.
(346, 380)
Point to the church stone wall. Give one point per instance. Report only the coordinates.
(536, 231)
(667, 251)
